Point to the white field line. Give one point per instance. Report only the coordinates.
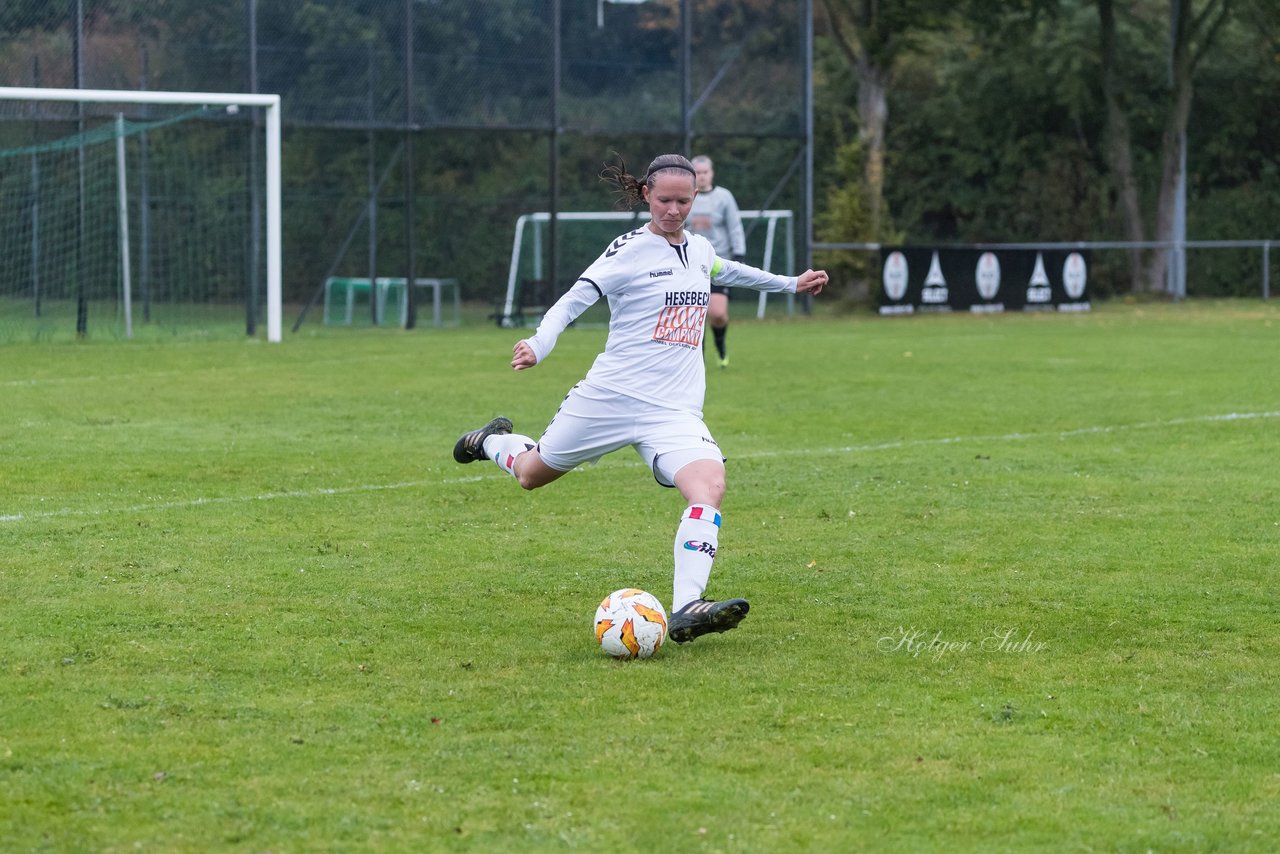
(846, 449)
(1019, 437)
(234, 499)
(34, 382)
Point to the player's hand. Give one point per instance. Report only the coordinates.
(522, 356)
(811, 282)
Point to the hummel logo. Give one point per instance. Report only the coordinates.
(658, 274)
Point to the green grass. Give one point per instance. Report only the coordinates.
(249, 602)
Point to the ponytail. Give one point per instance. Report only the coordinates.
(629, 189)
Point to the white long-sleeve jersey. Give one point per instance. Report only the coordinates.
(658, 295)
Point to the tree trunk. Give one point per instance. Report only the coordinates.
(850, 25)
(1175, 133)
(1190, 36)
(873, 116)
(1120, 146)
(1170, 175)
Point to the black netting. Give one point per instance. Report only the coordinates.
(473, 63)
(478, 132)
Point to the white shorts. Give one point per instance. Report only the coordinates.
(592, 422)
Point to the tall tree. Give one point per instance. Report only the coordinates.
(871, 36)
(1192, 32)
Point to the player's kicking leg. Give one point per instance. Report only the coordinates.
(470, 446)
(496, 441)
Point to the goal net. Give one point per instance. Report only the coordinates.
(583, 235)
(137, 214)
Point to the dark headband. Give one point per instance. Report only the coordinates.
(688, 169)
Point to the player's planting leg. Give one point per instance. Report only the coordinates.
(703, 616)
(696, 542)
(695, 551)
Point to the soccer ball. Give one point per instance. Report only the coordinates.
(631, 623)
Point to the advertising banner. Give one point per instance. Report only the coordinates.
(915, 279)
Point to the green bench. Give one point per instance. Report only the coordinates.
(343, 293)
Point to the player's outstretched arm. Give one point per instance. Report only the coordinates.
(522, 356)
(538, 346)
(811, 282)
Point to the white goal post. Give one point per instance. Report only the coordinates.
(272, 163)
(537, 222)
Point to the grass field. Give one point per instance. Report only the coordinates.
(1013, 583)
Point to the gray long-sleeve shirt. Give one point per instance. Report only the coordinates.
(715, 216)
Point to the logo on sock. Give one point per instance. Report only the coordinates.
(700, 546)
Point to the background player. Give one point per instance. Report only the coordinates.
(716, 217)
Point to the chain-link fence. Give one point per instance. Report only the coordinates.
(515, 107)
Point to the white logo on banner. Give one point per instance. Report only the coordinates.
(1073, 275)
(1038, 288)
(988, 275)
(895, 276)
(935, 286)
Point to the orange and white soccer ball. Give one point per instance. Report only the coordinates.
(631, 623)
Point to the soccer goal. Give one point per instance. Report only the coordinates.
(122, 210)
(583, 235)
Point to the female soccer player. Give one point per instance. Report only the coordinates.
(647, 388)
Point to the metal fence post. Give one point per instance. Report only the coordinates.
(1266, 270)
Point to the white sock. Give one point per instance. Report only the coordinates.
(505, 447)
(696, 541)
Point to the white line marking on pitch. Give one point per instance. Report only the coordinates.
(847, 449)
(1017, 437)
(236, 499)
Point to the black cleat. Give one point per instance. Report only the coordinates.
(470, 446)
(702, 616)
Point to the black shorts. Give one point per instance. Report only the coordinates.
(721, 289)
